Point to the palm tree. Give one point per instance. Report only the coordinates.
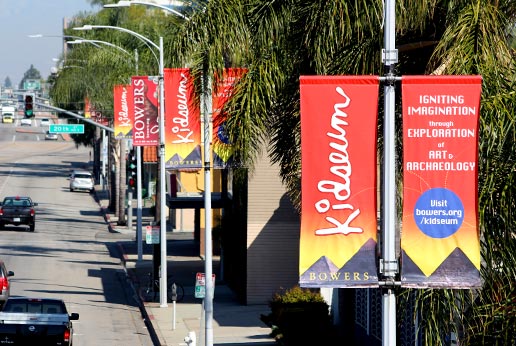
(277, 41)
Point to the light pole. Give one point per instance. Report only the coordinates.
(97, 42)
(163, 220)
(208, 263)
(138, 153)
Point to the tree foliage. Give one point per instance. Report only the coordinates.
(277, 41)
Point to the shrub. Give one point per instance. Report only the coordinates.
(299, 317)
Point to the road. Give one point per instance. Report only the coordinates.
(71, 255)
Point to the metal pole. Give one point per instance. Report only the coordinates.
(208, 300)
(139, 202)
(389, 266)
(163, 217)
(104, 159)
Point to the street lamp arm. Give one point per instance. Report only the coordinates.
(94, 42)
(124, 3)
(148, 42)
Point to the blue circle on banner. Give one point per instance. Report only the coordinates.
(439, 213)
(222, 133)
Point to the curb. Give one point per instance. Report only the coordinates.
(132, 279)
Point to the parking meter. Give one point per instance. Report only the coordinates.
(174, 292)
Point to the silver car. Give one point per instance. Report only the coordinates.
(81, 180)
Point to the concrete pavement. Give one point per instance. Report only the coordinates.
(234, 324)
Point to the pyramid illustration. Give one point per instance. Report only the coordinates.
(456, 271)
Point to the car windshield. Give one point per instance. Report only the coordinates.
(17, 202)
(82, 176)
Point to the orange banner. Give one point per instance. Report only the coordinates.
(224, 88)
(182, 121)
(123, 111)
(145, 105)
(338, 156)
(439, 240)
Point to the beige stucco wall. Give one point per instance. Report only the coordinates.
(272, 235)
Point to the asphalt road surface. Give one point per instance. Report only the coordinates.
(71, 255)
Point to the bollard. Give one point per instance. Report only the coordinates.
(191, 339)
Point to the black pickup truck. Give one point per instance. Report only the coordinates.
(17, 211)
(34, 321)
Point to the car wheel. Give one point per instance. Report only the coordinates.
(31, 227)
(71, 190)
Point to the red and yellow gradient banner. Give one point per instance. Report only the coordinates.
(145, 105)
(182, 121)
(123, 111)
(439, 239)
(338, 156)
(87, 113)
(222, 92)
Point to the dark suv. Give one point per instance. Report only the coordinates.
(18, 210)
(5, 285)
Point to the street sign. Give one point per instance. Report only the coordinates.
(200, 285)
(152, 234)
(66, 128)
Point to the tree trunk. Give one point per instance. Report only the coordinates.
(122, 183)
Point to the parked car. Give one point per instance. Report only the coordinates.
(51, 136)
(18, 210)
(5, 285)
(26, 122)
(81, 180)
(44, 122)
(36, 321)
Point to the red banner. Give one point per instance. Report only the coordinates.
(145, 103)
(439, 241)
(182, 121)
(123, 111)
(91, 113)
(224, 88)
(338, 156)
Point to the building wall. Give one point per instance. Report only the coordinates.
(272, 235)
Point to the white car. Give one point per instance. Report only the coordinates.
(44, 122)
(51, 136)
(81, 180)
(26, 122)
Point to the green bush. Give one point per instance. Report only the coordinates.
(299, 317)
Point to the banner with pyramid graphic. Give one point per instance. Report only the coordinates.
(223, 90)
(123, 111)
(182, 121)
(338, 181)
(439, 239)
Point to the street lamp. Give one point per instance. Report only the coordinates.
(124, 3)
(163, 221)
(96, 42)
(208, 262)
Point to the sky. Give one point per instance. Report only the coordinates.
(21, 18)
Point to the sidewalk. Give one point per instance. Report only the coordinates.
(233, 324)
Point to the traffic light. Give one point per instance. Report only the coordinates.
(29, 105)
(131, 169)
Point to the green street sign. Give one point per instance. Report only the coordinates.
(66, 128)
